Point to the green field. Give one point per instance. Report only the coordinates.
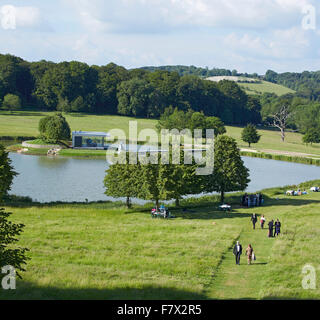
(260, 88)
(102, 251)
(252, 86)
(271, 141)
(26, 124)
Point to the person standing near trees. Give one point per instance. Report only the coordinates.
(237, 251)
(254, 220)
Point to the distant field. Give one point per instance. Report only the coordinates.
(260, 88)
(255, 87)
(26, 124)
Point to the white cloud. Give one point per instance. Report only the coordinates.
(164, 15)
(27, 16)
(248, 35)
(293, 43)
(14, 17)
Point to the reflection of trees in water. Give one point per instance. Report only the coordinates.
(52, 162)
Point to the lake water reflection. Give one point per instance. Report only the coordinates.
(47, 179)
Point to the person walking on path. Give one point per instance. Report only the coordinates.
(237, 251)
(277, 227)
(254, 220)
(262, 221)
(249, 252)
(270, 224)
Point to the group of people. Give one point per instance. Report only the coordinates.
(252, 200)
(296, 193)
(274, 227)
(162, 212)
(274, 230)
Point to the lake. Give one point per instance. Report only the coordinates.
(47, 179)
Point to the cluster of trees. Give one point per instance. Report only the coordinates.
(180, 120)
(111, 89)
(54, 128)
(171, 181)
(311, 136)
(10, 255)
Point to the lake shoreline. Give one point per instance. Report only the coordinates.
(281, 157)
(100, 154)
(233, 198)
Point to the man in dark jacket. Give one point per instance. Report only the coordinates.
(254, 220)
(237, 251)
(277, 227)
(270, 224)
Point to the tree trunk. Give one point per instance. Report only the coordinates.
(222, 197)
(177, 203)
(249, 144)
(283, 135)
(157, 204)
(128, 203)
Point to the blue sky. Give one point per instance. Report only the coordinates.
(247, 35)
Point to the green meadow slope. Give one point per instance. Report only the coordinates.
(252, 86)
(102, 251)
(264, 87)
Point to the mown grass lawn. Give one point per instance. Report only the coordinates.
(101, 251)
(25, 123)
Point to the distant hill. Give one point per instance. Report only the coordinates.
(307, 83)
(251, 83)
(255, 86)
(265, 86)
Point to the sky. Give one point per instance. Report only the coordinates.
(246, 35)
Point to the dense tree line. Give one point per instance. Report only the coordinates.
(111, 89)
(201, 72)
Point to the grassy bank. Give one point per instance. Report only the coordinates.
(103, 251)
(280, 157)
(25, 124)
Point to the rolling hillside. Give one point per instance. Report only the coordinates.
(253, 86)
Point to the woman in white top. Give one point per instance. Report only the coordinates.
(262, 221)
